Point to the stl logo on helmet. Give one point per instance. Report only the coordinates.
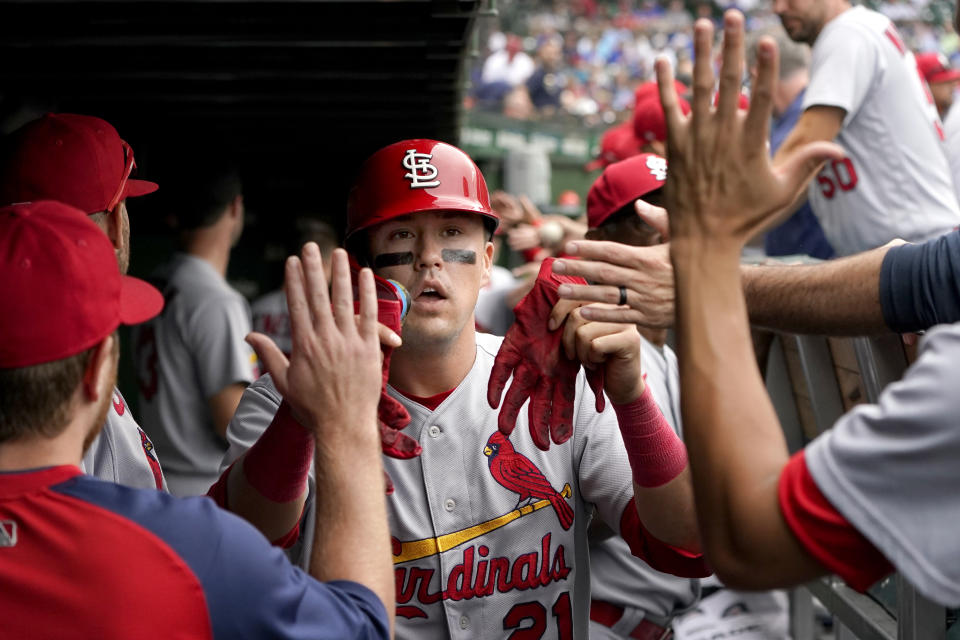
(658, 167)
(421, 174)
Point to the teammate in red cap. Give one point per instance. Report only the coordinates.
(419, 213)
(82, 161)
(935, 69)
(649, 125)
(617, 143)
(74, 547)
(624, 206)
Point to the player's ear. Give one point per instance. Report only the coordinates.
(100, 375)
(486, 258)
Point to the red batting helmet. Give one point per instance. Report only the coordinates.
(413, 176)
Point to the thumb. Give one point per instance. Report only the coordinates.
(801, 165)
(274, 362)
(656, 217)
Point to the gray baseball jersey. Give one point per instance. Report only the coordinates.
(468, 562)
(892, 469)
(271, 317)
(616, 575)
(122, 452)
(193, 350)
(895, 181)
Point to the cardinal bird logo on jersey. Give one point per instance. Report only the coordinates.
(515, 472)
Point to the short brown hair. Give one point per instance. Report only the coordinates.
(35, 400)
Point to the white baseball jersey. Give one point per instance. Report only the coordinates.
(895, 181)
(616, 575)
(122, 452)
(892, 469)
(271, 317)
(193, 350)
(468, 563)
(951, 128)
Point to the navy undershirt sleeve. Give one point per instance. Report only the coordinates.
(920, 284)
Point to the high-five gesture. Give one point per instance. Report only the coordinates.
(722, 185)
(332, 384)
(332, 379)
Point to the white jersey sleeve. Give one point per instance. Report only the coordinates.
(951, 128)
(844, 68)
(892, 469)
(122, 452)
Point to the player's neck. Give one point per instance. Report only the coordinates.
(209, 247)
(832, 10)
(38, 451)
(428, 370)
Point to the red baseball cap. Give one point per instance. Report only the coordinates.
(61, 284)
(618, 143)
(649, 123)
(743, 101)
(623, 182)
(651, 90)
(76, 159)
(935, 68)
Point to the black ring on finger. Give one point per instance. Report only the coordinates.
(623, 295)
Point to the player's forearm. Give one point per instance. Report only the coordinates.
(663, 492)
(352, 540)
(838, 297)
(275, 519)
(267, 486)
(668, 512)
(734, 441)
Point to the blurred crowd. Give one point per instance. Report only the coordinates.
(579, 61)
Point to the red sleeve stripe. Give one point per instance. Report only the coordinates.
(824, 532)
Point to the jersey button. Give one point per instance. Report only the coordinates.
(464, 622)
(449, 504)
(434, 431)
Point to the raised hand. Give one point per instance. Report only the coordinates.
(645, 273)
(722, 185)
(332, 379)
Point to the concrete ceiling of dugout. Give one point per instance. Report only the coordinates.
(301, 91)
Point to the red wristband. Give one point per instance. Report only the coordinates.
(657, 455)
(279, 461)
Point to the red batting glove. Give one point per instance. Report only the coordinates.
(391, 414)
(541, 370)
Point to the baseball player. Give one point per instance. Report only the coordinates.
(489, 530)
(87, 558)
(81, 160)
(865, 92)
(192, 361)
(935, 70)
(878, 490)
(626, 593)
